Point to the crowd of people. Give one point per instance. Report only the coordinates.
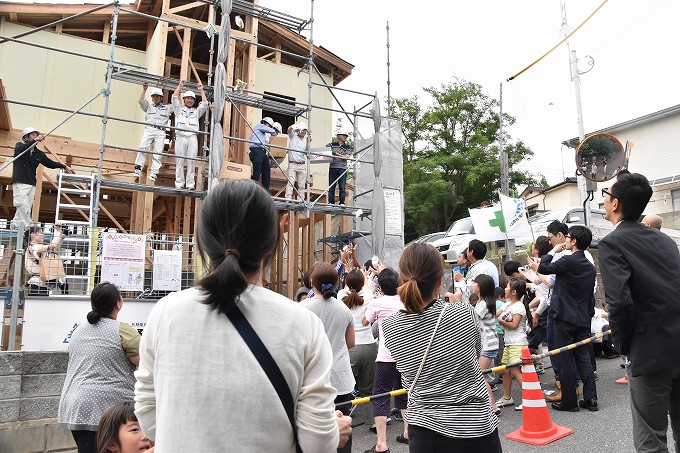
(230, 347)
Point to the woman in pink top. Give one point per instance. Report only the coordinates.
(387, 378)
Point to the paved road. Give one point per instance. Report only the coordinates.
(609, 429)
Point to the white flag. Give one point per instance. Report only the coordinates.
(488, 222)
(516, 222)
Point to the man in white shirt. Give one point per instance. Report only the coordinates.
(476, 252)
(298, 142)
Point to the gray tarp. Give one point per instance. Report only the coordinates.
(217, 142)
(371, 182)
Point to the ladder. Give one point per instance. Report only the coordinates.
(80, 189)
(78, 247)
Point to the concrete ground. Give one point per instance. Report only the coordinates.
(609, 429)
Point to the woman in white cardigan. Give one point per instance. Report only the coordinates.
(199, 385)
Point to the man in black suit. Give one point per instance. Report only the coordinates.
(571, 308)
(640, 268)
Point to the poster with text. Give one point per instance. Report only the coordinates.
(167, 270)
(123, 260)
(393, 217)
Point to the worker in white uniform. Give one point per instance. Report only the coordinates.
(298, 144)
(157, 115)
(186, 142)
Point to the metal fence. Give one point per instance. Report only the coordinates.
(143, 265)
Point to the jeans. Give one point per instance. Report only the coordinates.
(333, 174)
(260, 160)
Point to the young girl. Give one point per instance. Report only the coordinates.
(514, 317)
(119, 431)
(484, 288)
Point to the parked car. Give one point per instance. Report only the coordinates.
(461, 232)
(428, 238)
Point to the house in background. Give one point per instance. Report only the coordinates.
(559, 196)
(655, 154)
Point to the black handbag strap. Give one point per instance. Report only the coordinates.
(266, 361)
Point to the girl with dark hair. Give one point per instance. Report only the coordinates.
(484, 287)
(102, 356)
(362, 355)
(436, 346)
(338, 323)
(194, 362)
(515, 316)
(119, 431)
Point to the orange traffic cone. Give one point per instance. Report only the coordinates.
(537, 427)
(623, 380)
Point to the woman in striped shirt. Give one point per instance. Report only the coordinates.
(436, 347)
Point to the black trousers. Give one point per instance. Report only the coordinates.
(539, 333)
(566, 333)
(86, 441)
(423, 440)
(346, 411)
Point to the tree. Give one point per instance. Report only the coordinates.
(451, 160)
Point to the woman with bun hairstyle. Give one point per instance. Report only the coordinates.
(200, 387)
(436, 346)
(339, 326)
(103, 353)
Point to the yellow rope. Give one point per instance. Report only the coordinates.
(559, 43)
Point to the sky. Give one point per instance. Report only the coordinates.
(635, 46)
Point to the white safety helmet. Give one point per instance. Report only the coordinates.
(27, 131)
(277, 127)
(156, 92)
(302, 127)
(268, 120)
(342, 132)
(189, 94)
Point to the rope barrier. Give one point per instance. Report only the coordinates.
(398, 392)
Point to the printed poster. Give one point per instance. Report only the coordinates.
(123, 260)
(167, 270)
(393, 217)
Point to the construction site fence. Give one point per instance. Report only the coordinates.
(143, 265)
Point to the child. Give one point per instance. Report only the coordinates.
(485, 292)
(119, 431)
(514, 318)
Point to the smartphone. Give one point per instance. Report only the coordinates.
(523, 269)
(375, 261)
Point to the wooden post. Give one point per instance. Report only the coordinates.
(327, 223)
(35, 215)
(187, 231)
(291, 278)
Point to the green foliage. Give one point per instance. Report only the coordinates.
(451, 156)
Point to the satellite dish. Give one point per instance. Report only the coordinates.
(600, 157)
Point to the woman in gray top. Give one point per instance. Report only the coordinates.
(103, 355)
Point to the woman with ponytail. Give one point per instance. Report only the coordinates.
(436, 346)
(195, 366)
(514, 317)
(103, 354)
(362, 355)
(339, 326)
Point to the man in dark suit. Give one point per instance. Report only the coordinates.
(640, 268)
(571, 308)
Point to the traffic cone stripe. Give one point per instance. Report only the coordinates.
(533, 403)
(537, 427)
(531, 385)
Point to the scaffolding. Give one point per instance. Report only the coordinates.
(238, 97)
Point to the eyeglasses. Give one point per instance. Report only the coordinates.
(606, 192)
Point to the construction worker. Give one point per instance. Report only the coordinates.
(186, 142)
(157, 115)
(258, 150)
(23, 174)
(298, 142)
(338, 167)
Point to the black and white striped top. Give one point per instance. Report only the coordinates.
(450, 397)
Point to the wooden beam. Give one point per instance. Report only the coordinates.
(107, 32)
(291, 274)
(178, 9)
(186, 232)
(56, 9)
(38, 193)
(13, 17)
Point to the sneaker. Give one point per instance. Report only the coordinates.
(342, 204)
(397, 416)
(151, 177)
(494, 387)
(518, 408)
(138, 171)
(502, 402)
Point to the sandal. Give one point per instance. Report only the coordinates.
(401, 439)
(373, 450)
(374, 429)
